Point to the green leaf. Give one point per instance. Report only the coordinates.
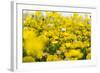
(84, 53)
(53, 48)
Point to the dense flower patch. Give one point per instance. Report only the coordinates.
(54, 36)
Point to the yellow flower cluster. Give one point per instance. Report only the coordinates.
(55, 36)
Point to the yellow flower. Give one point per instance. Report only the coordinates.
(88, 56)
(66, 34)
(39, 54)
(29, 21)
(52, 57)
(43, 38)
(28, 33)
(54, 42)
(56, 15)
(81, 24)
(33, 46)
(28, 59)
(49, 58)
(77, 44)
(28, 18)
(78, 32)
(73, 54)
(87, 43)
(55, 37)
(68, 21)
(87, 33)
(68, 45)
(55, 58)
(33, 23)
(62, 49)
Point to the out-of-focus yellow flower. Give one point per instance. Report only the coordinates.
(88, 56)
(81, 24)
(68, 45)
(28, 18)
(87, 33)
(50, 33)
(28, 33)
(55, 37)
(66, 34)
(33, 46)
(72, 36)
(54, 42)
(52, 57)
(56, 15)
(77, 44)
(68, 21)
(87, 43)
(29, 21)
(43, 38)
(49, 58)
(33, 23)
(62, 49)
(55, 58)
(28, 59)
(73, 54)
(78, 32)
(39, 54)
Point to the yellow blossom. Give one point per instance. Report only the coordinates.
(54, 42)
(49, 58)
(68, 45)
(55, 58)
(28, 33)
(28, 59)
(88, 56)
(73, 54)
(62, 49)
(39, 54)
